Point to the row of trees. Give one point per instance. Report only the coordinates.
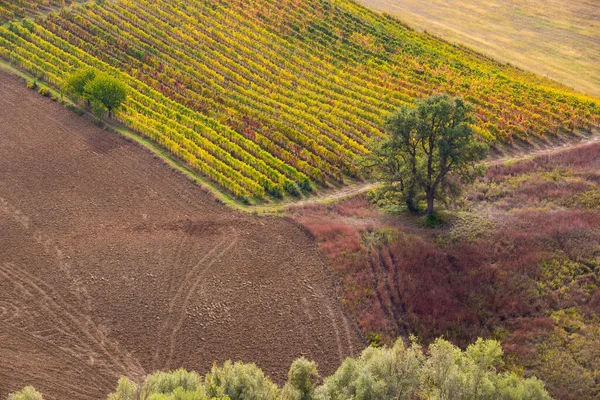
(444, 372)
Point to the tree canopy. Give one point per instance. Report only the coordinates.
(102, 91)
(387, 373)
(75, 83)
(107, 91)
(427, 147)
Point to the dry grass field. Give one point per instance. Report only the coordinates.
(555, 38)
(112, 264)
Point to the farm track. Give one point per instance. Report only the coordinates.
(511, 155)
(112, 264)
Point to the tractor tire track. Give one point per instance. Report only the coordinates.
(69, 323)
(181, 298)
(198, 279)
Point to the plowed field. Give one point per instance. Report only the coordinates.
(112, 264)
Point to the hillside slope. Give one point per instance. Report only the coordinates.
(554, 38)
(517, 259)
(267, 98)
(111, 264)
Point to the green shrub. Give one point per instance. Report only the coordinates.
(399, 372)
(126, 390)
(175, 385)
(44, 92)
(471, 374)
(432, 221)
(379, 373)
(167, 382)
(239, 381)
(404, 372)
(74, 84)
(31, 85)
(75, 109)
(302, 379)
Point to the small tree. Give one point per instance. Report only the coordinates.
(426, 145)
(378, 374)
(106, 91)
(74, 85)
(302, 378)
(238, 381)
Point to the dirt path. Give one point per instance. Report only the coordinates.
(515, 155)
(564, 143)
(112, 264)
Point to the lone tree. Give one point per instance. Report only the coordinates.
(427, 145)
(106, 91)
(100, 90)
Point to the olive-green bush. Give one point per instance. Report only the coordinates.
(399, 372)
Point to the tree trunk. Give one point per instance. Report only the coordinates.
(410, 205)
(430, 198)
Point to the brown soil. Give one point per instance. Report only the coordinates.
(112, 264)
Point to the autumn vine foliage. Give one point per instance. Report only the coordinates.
(266, 98)
(13, 9)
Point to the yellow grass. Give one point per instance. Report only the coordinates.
(555, 38)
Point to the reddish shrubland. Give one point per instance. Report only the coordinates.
(521, 251)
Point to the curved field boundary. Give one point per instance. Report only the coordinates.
(324, 196)
(108, 258)
(262, 105)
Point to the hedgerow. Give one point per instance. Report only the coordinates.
(388, 373)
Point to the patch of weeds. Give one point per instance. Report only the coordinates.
(31, 85)
(513, 161)
(379, 237)
(374, 339)
(558, 274)
(555, 175)
(244, 199)
(589, 200)
(387, 200)
(467, 227)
